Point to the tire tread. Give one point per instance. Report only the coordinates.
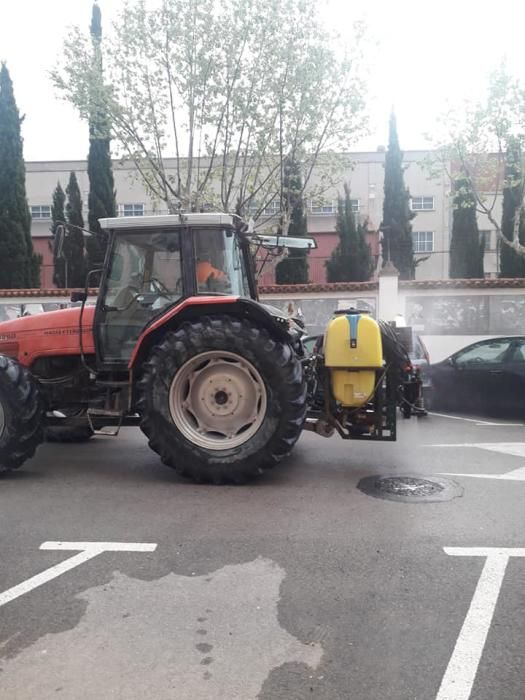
(23, 409)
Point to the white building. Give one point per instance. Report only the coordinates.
(430, 201)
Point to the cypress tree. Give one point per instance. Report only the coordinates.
(58, 217)
(512, 264)
(19, 265)
(75, 239)
(466, 248)
(101, 200)
(397, 242)
(294, 268)
(351, 260)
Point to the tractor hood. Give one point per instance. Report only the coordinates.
(47, 334)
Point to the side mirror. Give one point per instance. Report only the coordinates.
(60, 235)
(78, 296)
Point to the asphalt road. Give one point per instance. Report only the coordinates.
(297, 586)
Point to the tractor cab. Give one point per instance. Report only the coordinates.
(156, 262)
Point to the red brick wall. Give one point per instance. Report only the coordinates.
(41, 246)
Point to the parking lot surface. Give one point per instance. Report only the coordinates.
(119, 580)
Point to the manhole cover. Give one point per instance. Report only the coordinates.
(410, 488)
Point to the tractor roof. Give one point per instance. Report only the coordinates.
(167, 221)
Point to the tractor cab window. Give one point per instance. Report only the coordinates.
(219, 263)
(144, 277)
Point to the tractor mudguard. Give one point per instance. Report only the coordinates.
(194, 307)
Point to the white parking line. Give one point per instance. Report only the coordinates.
(514, 475)
(88, 550)
(516, 449)
(463, 665)
(477, 421)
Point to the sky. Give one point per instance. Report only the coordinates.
(422, 56)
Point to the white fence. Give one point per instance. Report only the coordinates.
(447, 314)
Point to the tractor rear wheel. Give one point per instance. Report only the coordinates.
(221, 400)
(21, 414)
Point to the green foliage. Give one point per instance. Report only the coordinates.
(512, 264)
(397, 242)
(35, 265)
(101, 199)
(58, 216)
(230, 89)
(294, 268)
(96, 23)
(466, 248)
(70, 267)
(76, 265)
(19, 265)
(351, 260)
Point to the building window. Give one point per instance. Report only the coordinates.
(323, 208)
(40, 211)
(423, 241)
(331, 207)
(272, 209)
(131, 210)
(422, 203)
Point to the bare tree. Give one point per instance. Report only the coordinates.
(230, 90)
(474, 143)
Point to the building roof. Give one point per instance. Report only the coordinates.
(127, 164)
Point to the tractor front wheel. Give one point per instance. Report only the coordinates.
(21, 414)
(222, 400)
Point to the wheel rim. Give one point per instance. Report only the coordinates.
(218, 400)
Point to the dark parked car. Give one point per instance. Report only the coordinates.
(309, 342)
(419, 357)
(485, 377)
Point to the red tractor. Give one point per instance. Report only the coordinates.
(179, 344)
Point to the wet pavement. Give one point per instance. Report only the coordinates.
(296, 586)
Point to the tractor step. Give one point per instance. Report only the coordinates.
(104, 413)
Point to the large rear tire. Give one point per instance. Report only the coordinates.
(21, 414)
(221, 400)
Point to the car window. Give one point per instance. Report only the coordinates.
(484, 353)
(519, 352)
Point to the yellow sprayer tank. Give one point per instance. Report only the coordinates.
(353, 353)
